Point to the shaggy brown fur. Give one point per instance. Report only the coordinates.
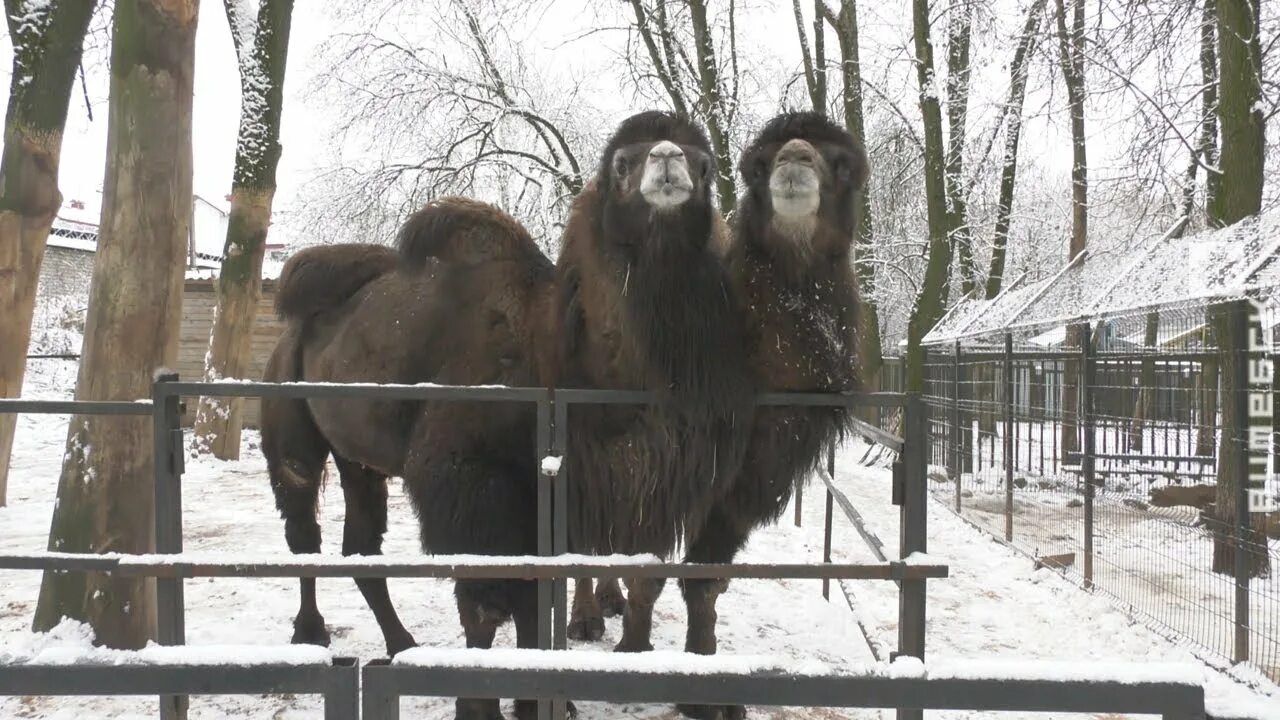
(799, 293)
(645, 304)
(355, 316)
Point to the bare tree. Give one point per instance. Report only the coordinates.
(696, 83)
(458, 111)
(1243, 152)
(262, 49)
(1018, 71)
(931, 297)
(104, 499)
(1071, 41)
(48, 39)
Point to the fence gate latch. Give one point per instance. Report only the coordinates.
(899, 482)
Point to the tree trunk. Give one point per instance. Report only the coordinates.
(263, 58)
(846, 27)
(929, 301)
(46, 52)
(1071, 46)
(1209, 101)
(1240, 196)
(1013, 136)
(959, 37)
(105, 499)
(1145, 403)
(710, 106)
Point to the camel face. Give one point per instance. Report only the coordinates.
(664, 173)
(795, 186)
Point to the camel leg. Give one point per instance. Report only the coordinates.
(365, 491)
(720, 540)
(295, 452)
(637, 620)
(480, 622)
(525, 613)
(586, 622)
(609, 595)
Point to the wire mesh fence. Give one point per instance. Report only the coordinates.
(1109, 451)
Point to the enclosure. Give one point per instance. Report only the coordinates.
(1098, 419)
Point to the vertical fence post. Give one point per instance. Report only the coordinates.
(799, 503)
(1007, 408)
(954, 465)
(913, 537)
(167, 460)
(545, 540)
(826, 527)
(560, 540)
(1241, 313)
(1088, 373)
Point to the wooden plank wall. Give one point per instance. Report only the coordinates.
(198, 302)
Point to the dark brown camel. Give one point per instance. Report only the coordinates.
(792, 271)
(355, 316)
(639, 301)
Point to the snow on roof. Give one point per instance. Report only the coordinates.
(1164, 272)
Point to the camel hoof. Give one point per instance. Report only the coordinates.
(588, 629)
(628, 646)
(713, 712)
(310, 630)
(528, 709)
(472, 709)
(398, 643)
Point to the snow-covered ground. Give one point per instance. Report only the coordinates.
(993, 606)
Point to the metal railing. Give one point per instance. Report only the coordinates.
(552, 407)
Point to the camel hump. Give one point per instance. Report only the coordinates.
(323, 277)
(461, 230)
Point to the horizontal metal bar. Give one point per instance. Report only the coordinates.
(794, 571)
(60, 561)
(852, 515)
(361, 391)
(168, 568)
(112, 679)
(1075, 457)
(75, 407)
(784, 689)
(484, 393)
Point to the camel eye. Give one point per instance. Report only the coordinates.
(620, 164)
(760, 169)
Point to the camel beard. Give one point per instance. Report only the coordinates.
(651, 485)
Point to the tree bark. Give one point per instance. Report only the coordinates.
(46, 52)
(105, 499)
(845, 23)
(931, 297)
(1013, 136)
(1071, 46)
(959, 38)
(262, 72)
(1240, 196)
(710, 106)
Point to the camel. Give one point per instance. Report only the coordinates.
(639, 300)
(792, 272)
(354, 314)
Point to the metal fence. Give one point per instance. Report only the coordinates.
(1104, 461)
(552, 407)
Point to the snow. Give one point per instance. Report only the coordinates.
(551, 465)
(995, 614)
(658, 661)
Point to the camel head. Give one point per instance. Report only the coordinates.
(803, 173)
(658, 163)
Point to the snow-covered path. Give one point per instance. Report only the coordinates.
(994, 605)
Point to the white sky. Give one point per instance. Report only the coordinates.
(552, 36)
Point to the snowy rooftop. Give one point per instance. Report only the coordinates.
(1159, 273)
